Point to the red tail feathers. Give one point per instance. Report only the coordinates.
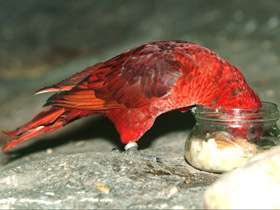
(44, 122)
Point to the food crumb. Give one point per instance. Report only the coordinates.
(49, 151)
(67, 174)
(187, 181)
(103, 188)
(80, 143)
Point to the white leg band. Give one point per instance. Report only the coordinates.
(130, 145)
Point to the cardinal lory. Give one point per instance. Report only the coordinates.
(136, 86)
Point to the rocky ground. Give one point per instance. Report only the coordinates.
(45, 42)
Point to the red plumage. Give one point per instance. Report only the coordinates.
(135, 87)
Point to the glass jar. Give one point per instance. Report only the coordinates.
(224, 138)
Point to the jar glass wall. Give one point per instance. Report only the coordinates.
(224, 138)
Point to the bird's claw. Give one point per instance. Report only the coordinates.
(134, 152)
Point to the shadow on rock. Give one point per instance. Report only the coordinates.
(101, 127)
(169, 122)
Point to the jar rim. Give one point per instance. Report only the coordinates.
(268, 112)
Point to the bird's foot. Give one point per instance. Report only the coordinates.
(131, 149)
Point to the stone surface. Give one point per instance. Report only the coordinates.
(45, 42)
(255, 185)
(104, 180)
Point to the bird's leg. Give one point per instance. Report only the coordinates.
(132, 146)
(131, 149)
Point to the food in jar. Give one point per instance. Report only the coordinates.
(219, 152)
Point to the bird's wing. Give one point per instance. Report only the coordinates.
(131, 79)
(71, 82)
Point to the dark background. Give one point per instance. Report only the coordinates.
(43, 42)
(39, 35)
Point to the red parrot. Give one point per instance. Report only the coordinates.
(138, 85)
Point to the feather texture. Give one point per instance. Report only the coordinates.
(136, 86)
